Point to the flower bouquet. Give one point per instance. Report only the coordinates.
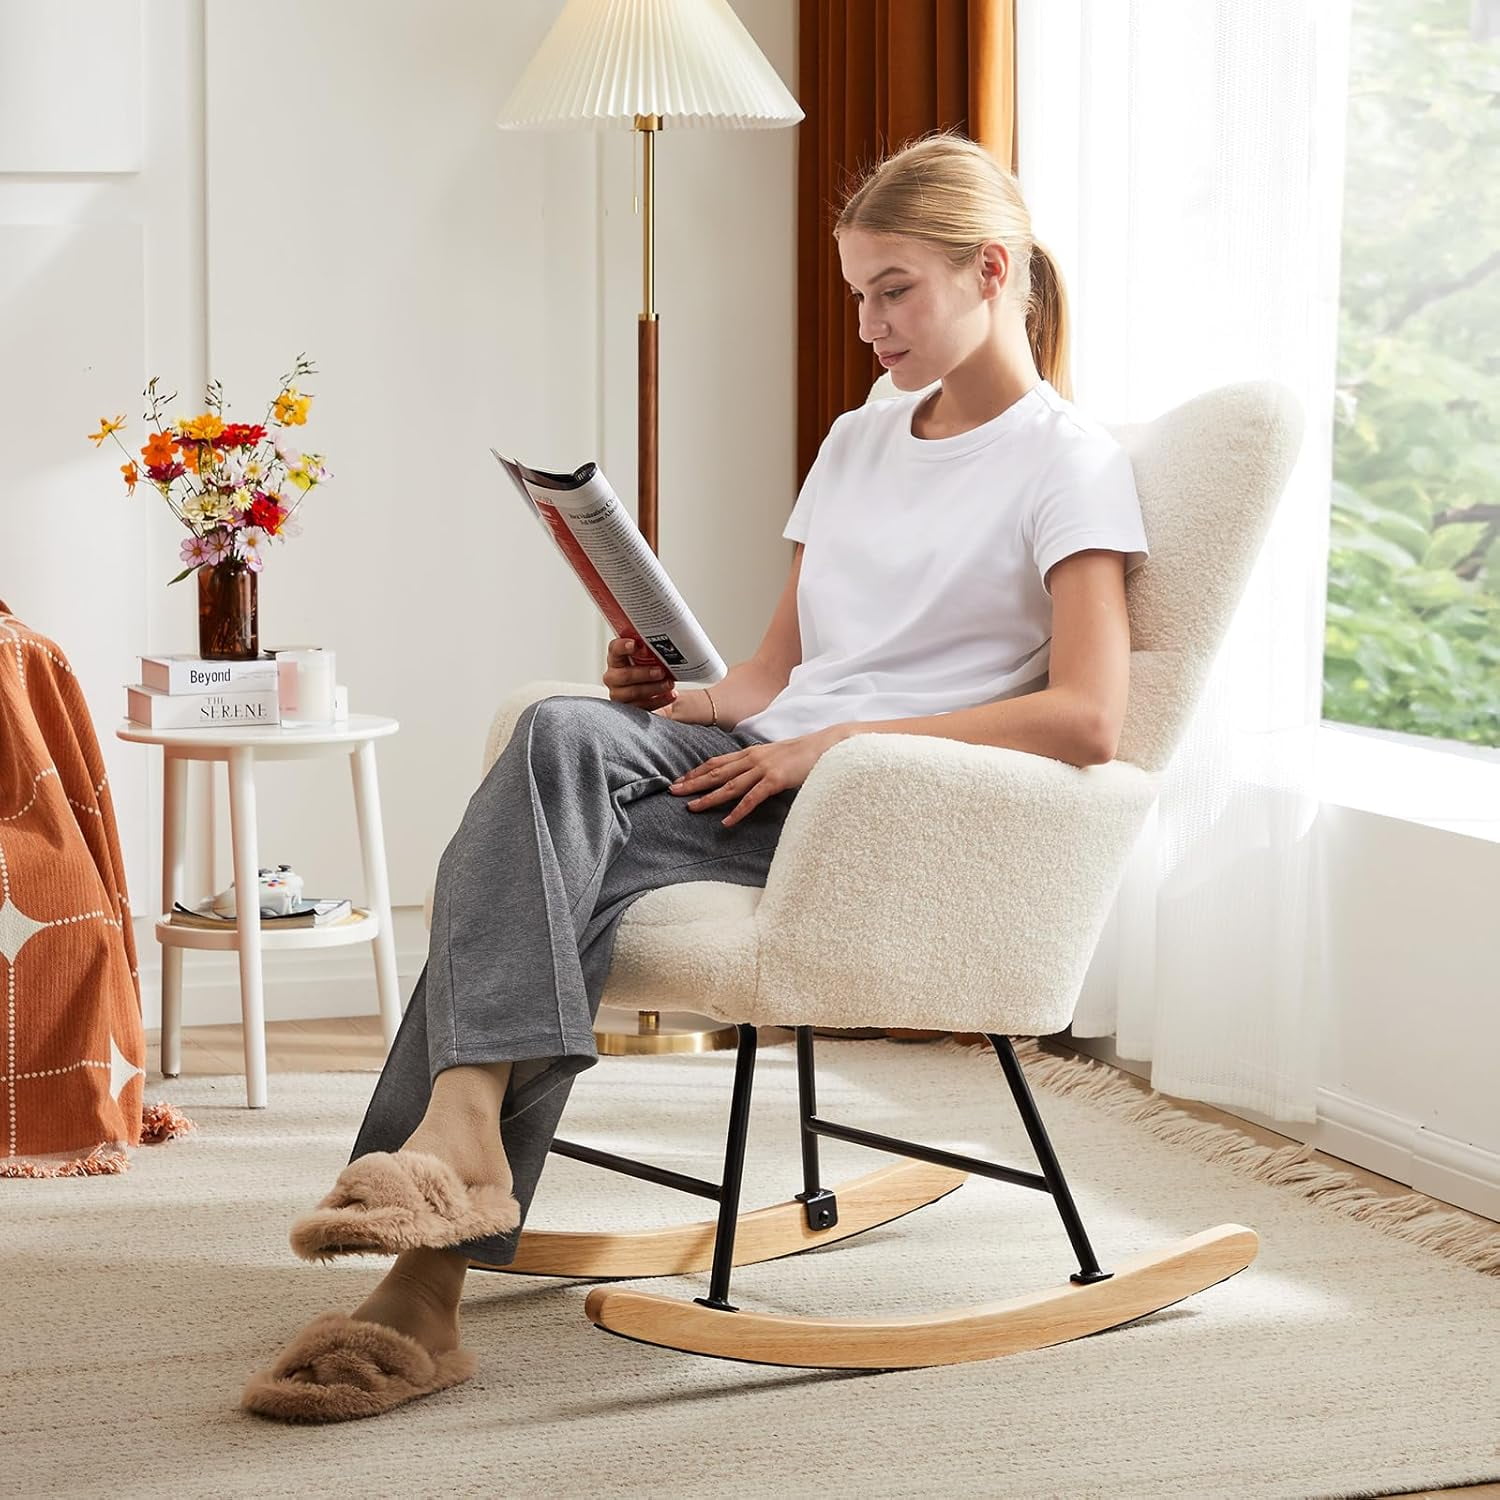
(236, 487)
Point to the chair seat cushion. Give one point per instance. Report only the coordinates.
(693, 946)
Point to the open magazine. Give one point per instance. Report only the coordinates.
(624, 577)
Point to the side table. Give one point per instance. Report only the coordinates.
(239, 748)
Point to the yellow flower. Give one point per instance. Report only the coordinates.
(105, 428)
(291, 408)
(205, 428)
(241, 501)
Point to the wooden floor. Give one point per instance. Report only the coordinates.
(353, 1044)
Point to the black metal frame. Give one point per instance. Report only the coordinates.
(820, 1205)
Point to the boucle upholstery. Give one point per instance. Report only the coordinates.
(922, 882)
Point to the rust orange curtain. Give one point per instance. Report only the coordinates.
(873, 74)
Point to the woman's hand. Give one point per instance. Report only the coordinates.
(646, 687)
(747, 777)
(692, 709)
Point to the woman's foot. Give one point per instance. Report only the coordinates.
(462, 1124)
(419, 1297)
(467, 1140)
(400, 1343)
(449, 1181)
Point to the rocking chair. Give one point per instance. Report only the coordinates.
(986, 923)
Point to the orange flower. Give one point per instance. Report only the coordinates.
(198, 457)
(205, 428)
(105, 428)
(160, 447)
(132, 476)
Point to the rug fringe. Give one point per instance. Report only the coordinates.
(159, 1122)
(1413, 1217)
(102, 1161)
(163, 1122)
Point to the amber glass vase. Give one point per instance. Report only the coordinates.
(228, 612)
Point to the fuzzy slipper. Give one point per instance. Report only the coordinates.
(387, 1202)
(340, 1368)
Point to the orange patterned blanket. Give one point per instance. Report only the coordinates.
(72, 1051)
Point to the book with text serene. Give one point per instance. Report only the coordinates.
(155, 709)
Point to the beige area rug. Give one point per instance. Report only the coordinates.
(1346, 1361)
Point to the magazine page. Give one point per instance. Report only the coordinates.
(624, 577)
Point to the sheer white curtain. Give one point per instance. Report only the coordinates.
(1184, 161)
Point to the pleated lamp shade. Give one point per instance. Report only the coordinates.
(689, 61)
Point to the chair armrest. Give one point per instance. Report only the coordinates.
(926, 882)
(515, 704)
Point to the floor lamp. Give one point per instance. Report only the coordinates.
(643, 65)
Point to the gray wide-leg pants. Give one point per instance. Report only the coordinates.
(572, 823)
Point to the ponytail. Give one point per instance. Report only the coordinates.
(1047, 322)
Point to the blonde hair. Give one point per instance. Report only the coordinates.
(949, 192)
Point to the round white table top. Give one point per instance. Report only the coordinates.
(262, 736)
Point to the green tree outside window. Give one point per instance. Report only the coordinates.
(1413, 631)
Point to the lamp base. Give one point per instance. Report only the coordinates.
(621, 1033)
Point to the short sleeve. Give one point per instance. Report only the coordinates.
(799, 523)
(1088, 502)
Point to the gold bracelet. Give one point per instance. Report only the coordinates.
(711, 708)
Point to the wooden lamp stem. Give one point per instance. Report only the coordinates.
(647, 346)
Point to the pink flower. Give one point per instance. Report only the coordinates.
(220, 544)
(195, 551)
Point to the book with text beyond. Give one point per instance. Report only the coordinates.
(181, 673)
(624, 577)
(158, 710)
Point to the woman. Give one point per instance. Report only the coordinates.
(960, 568)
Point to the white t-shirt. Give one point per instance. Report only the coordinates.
(922, 589)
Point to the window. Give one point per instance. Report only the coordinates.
(1413, 633)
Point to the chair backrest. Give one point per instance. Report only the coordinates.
(1209, 474)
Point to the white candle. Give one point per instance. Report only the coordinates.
(305, 687)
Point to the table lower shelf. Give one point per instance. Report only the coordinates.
(360, 926)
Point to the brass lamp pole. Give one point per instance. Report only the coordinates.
(642, 64)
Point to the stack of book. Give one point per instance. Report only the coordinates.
(186, 692)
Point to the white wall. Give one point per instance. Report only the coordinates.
(263, 179)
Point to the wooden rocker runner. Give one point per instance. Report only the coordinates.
(1093, 1299)
(922, 882)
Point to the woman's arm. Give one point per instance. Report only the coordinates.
(1078, 716)
(751, 684)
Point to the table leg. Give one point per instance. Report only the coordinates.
(173, 857)
(247, 922)
(377, 885)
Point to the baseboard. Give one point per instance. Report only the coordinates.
(1440, 1166)
(1402, 1149)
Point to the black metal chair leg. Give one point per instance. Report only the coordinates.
(819, 1205)
(1088, 1265)
(734, 1171)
